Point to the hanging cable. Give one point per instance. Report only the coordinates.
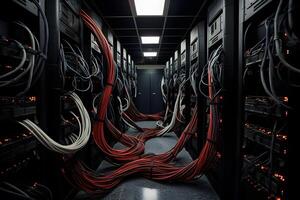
(81, 139)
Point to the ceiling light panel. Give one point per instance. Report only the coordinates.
(149, 7)
(150, 39)
(150, 54)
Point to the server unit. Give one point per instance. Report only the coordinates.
(125, 63)
(129, 77)
(129, 65)
(110, 39)
(175, 74)
(183, 52)
(119, 58)
(183, 74)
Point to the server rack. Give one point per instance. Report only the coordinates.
(197, 57)
(20, 161)
(232, 112)
(194, 45)
(215, 37)
(268, 98)
(222, 31)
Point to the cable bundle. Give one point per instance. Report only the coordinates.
(133, 152)
(79, 141)
(123, 108)
(128, 140)
(171, 125)
(130, 122)
(277, 40)
(136, 144)
(74, 62)
(136, 115)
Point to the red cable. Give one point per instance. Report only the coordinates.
(154, 167)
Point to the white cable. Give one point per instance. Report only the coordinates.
(174, 79)
(175, 110)
(81, 139)
(177, 106)
(32, 57)
(30, 66)
(162, 89)
(162, 84)
(128, 99)
(127, 123)
(181, 106)
(123, 108)
(135, 89)
(20, 65)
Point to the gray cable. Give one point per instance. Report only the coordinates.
(277, 41)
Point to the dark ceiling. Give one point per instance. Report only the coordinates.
(179, 18)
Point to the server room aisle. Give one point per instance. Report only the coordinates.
(138, 188)
(149, 99)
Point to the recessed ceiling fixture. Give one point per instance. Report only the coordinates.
(150, 54)
(150, 39)
(149, 7)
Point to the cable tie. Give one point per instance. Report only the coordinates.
(120, 135)
(109, 84)
(211, 141)
(213, 103)
(42, 55)
(151, 169)
(189, 133)
(172, 154)
(30, 50)
(34, 52)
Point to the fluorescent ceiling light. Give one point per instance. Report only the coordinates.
(150, 39)
(150, 54)
(149, 7)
